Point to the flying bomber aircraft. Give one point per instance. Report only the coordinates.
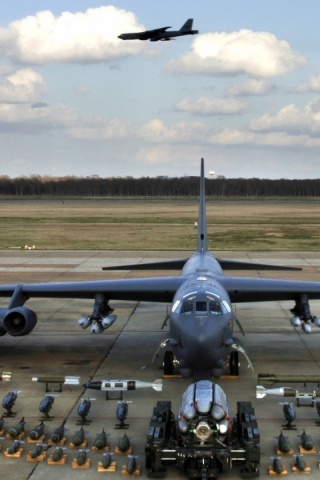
(161, 33)
(201, 318)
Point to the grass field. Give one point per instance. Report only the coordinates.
(159, 224)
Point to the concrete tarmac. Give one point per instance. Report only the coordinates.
(57, 346)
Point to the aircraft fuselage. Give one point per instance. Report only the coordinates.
(201, 319)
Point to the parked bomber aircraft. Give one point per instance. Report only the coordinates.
(161, 33)
(201, 318)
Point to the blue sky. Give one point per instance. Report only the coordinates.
(244, 93)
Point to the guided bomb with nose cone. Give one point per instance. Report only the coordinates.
(131, 464)
(8, 403)
(58, 433)
(78, 437)
(122, 385)
(81, 457)
(37, 431)
(300, 464)
(57, 454)
(17, 429)
(124, 443)
(46, 405)
(306, 441)
(289, 415)
(37, 451)
(121, 413)
(101, 440)
(106, 460)
(14, 447)
(283, 443)
(277, 465)
(83, 409)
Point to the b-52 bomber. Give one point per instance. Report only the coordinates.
(201, 317)
(161, 33)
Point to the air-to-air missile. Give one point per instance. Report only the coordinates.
(67, 380)
(101, 440)
(57, 454)
(46, 405)
(289, 415)
(17, 429)
(58, 433)
(306, 441)
(8, 402)
(81, 457)
(37, 431)
(83, 410)
(283, 443)
(131, 464)
(14, 447)
(121, 413)
(277, 466)
(122, 385)
(37, 450)
(78, 437)
(124, 443)
(106, 460)
(303, 397)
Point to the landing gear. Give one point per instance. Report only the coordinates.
(168, 363)
(234, 364)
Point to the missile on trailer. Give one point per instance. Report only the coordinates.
(272, 378)
(122, 385)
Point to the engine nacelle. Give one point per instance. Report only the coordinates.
(107, 321)
(19, 321)
(85, 322)
(316, 321)
(306, 327)
(295, 321)
(96, 328)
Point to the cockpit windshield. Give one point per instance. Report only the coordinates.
(207, 305)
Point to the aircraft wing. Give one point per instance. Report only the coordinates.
(158, 30)
(243, 289)
(153, 289)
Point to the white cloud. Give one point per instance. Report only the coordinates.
(24, 85)
(257, 54)
(312, 85)
(211, 106)
(291, 119)
(99, 129)
(82, 37)
(253, 86)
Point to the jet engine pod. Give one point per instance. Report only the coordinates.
(19, 321)
(107, 321)
(84, 322)
(295, 321)
(96, 328)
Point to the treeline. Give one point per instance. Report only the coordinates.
(37, 185)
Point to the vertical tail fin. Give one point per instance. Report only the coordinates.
(202, 219)
(187, 26)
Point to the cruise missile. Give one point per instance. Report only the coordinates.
(122, 385)
(68, 380)
(272, 378)
(261, 392)
(303, 397)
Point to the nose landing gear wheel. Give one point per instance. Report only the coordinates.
(168, 363)
(234, 364)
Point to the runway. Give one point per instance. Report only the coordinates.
(57, 346)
